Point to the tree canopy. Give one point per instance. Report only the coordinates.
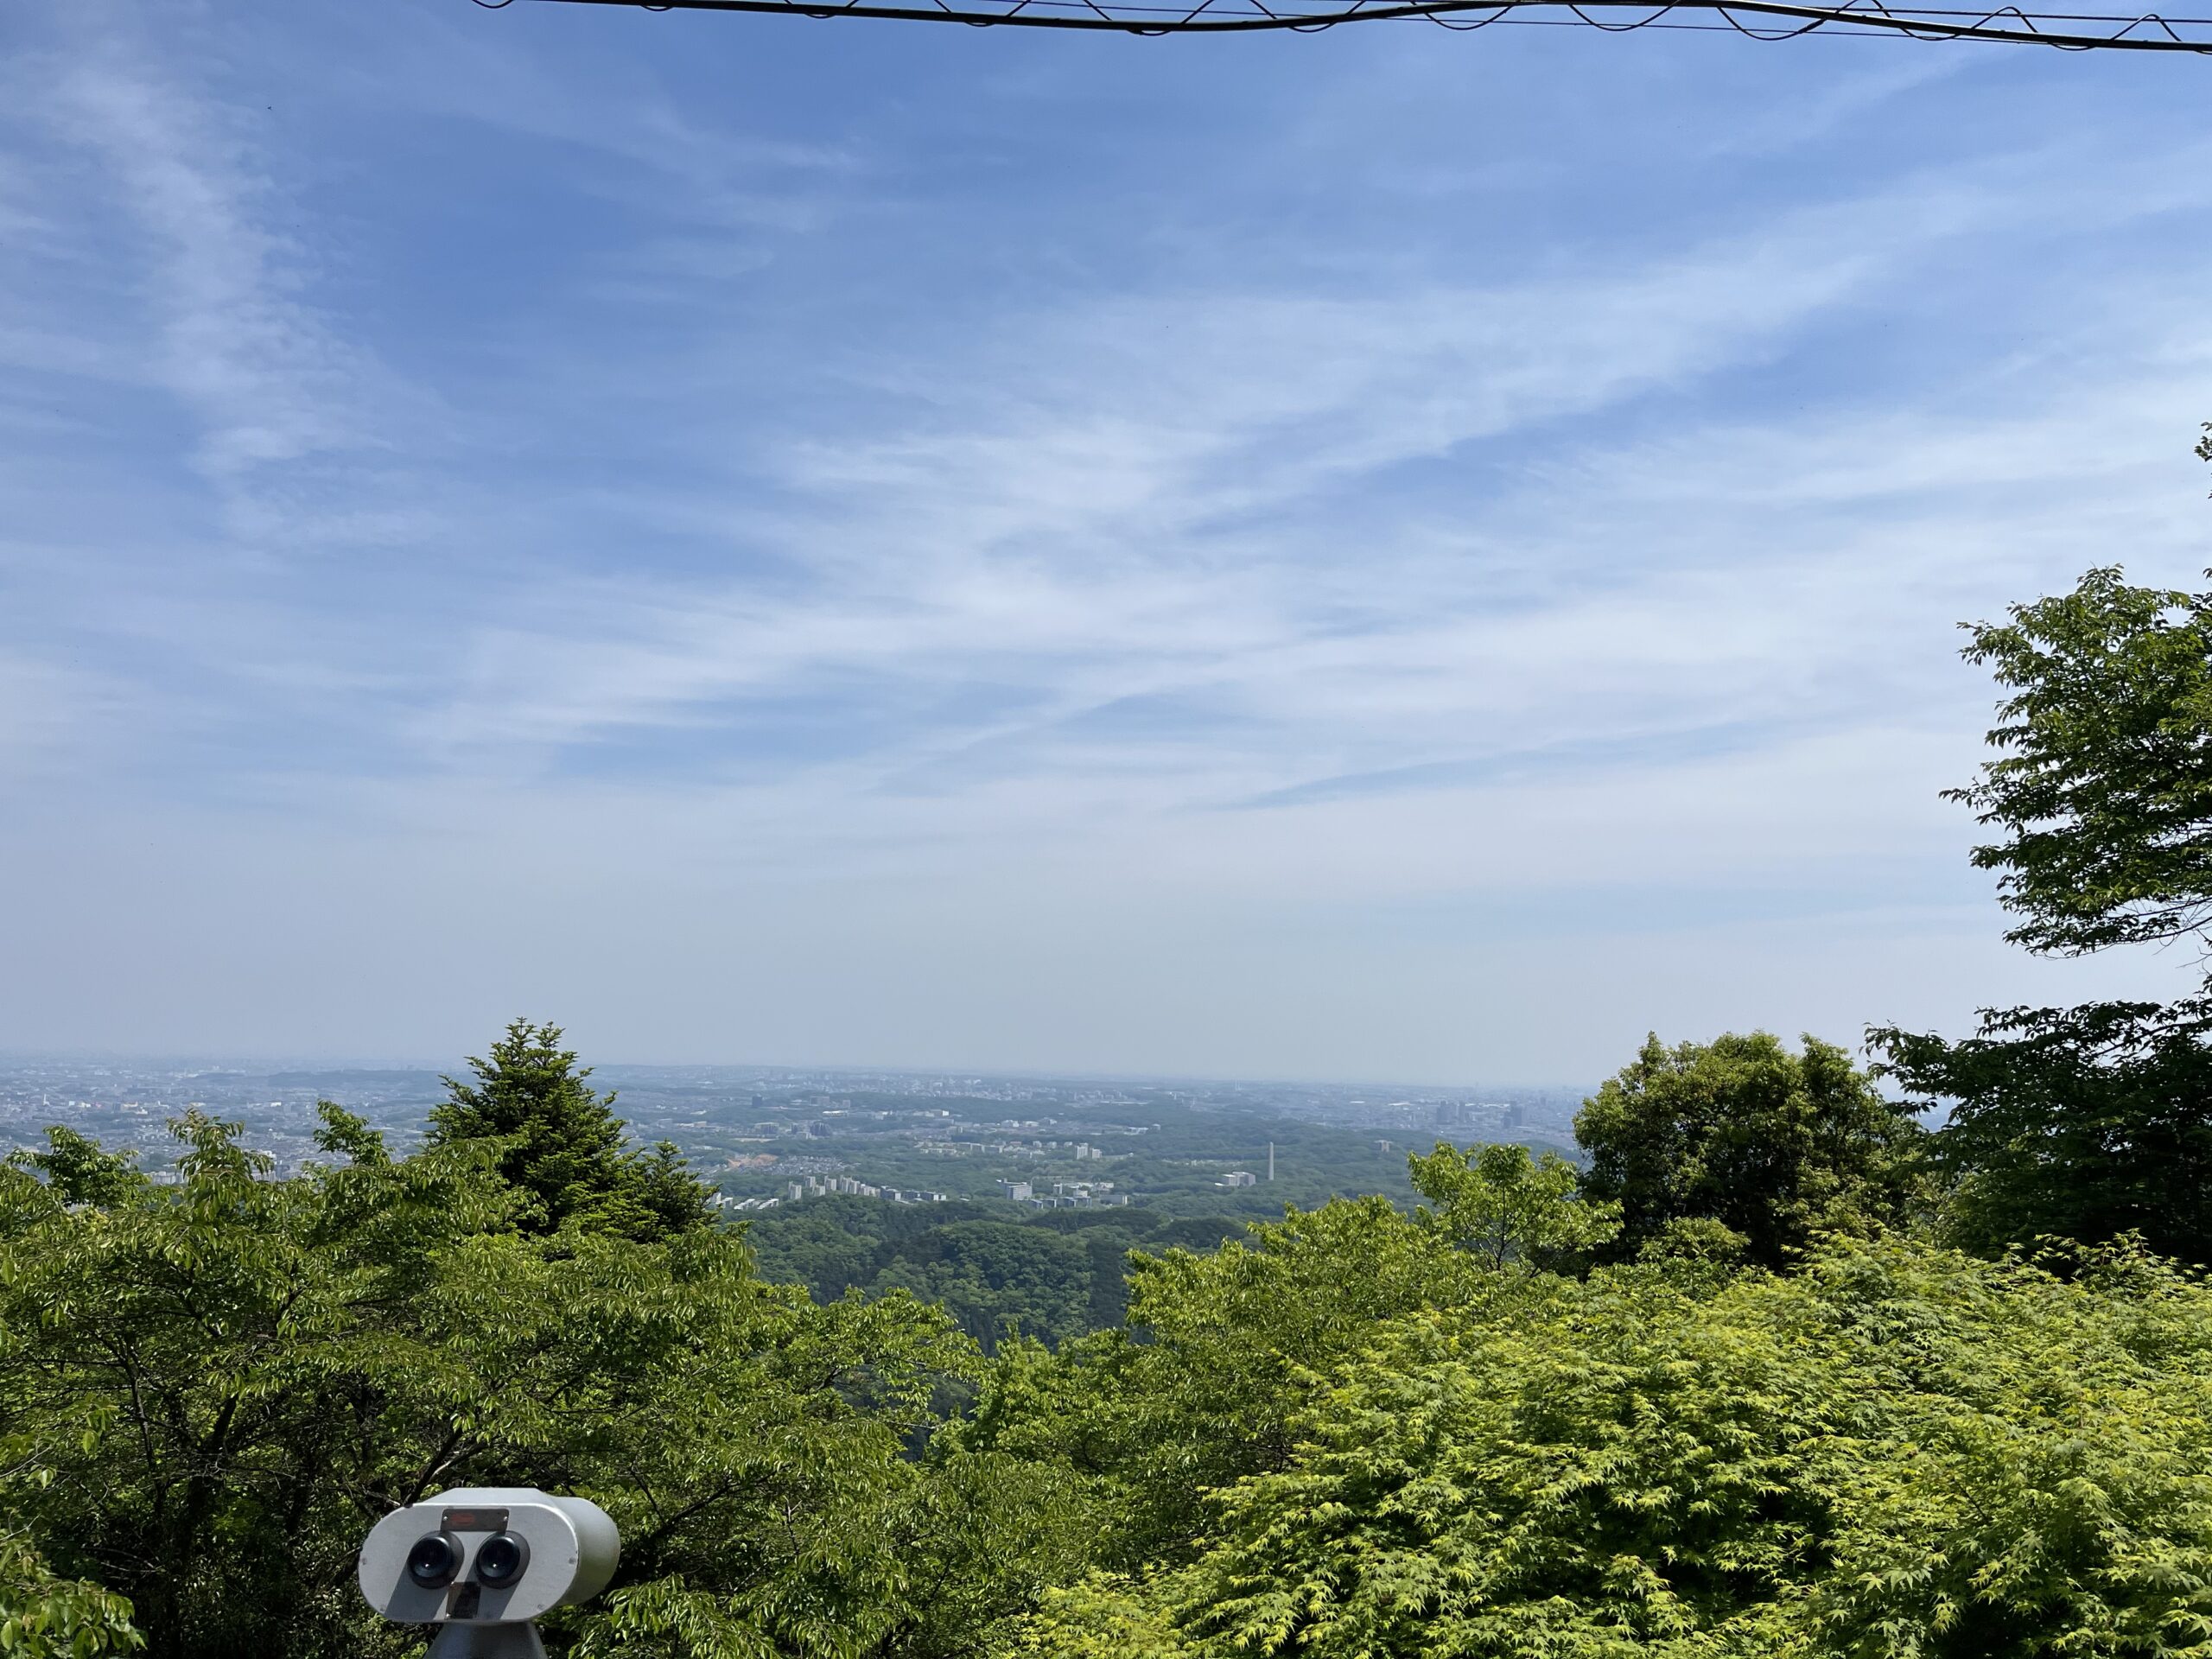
(1896, 1450)
(209, 1390)
(1356, 1431)
(1772, 1146)
(1510, 1208)
(1004, 1277)
(2102, 782)
(2102, 779)
(2092, 1122)
(2087, 1123)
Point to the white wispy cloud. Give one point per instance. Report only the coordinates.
(270, 381)
(1108, 506)
(1213, 611)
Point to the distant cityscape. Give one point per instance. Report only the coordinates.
(771, 1137)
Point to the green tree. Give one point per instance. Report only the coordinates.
(561, 1144)
(1895, 1450)
(997, 1278)
(1223, 1350)
(1771, 1144)
(2091, 1122)
(79, 1170)
(2102, 784)
(210, 1389)
(1219, 1352)
(2084, 1124)
(827, 1243)
(1510, 1208)
(43, 1617)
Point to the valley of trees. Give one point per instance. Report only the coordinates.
(1799, 1359)
(1050, 1276)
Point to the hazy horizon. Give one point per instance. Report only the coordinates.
(262, 1065)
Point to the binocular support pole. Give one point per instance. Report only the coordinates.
(487, 1642)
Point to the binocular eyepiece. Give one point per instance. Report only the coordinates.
(483, 1562)
(436, 1559)
(435, 1562)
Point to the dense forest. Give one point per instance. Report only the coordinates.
(1050, 1276)
(1796, 1356)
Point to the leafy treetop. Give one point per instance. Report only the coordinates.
(1510, 1208)
(1896, 1451)
(211, 1387)
(2090, 1122)
(1773, 1146)
(2103, 791)
(561, 1144)
(45, 1617)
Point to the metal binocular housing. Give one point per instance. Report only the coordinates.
(483, 1562)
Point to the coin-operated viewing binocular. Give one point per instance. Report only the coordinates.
(483, 1562)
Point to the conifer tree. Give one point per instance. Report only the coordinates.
(562, 1143)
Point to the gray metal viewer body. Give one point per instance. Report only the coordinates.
(483, 1562)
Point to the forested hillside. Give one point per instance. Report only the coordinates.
(1798, 1359)
(1050, 1276)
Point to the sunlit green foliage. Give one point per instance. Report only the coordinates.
(1895, 1450)
(1356, 1433)
(1206, 1387)
(43, 1617)
(208, 1391)
(1512, 1209)
(1201, 1387)
(2102, 787)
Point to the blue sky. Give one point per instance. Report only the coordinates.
(1378, 554)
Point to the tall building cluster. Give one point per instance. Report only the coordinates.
(816, 1188)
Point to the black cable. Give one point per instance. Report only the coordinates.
(1855, 17)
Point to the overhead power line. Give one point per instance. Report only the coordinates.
(1765, 20)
